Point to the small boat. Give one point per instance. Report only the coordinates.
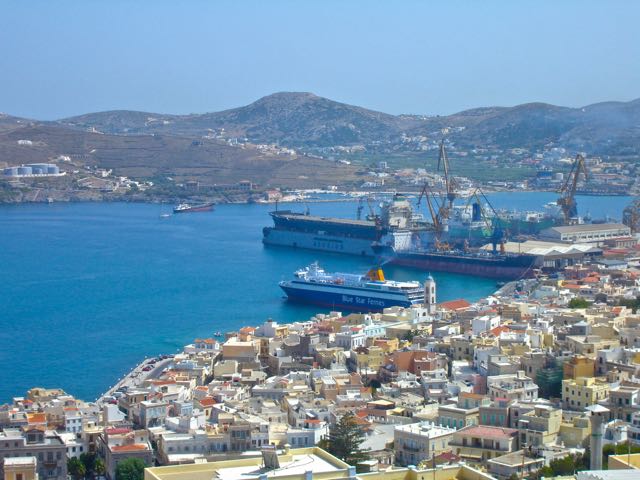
(165, 215)
(186, 208)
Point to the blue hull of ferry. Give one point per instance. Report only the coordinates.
(343, 300)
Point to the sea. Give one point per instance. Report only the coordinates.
(88, 290)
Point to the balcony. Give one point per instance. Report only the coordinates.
(407, 448)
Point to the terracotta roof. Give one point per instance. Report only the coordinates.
(485, 431)
(498, 330)
(207, 402)
(447, 457)
(459, 304)
(36, 418)
(134, 447)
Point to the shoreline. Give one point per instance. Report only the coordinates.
(348, 196)
(137, 375)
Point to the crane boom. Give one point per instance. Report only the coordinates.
(450, 183)
(567, 200)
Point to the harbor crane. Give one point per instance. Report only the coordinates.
(372, 213)
(567, 199)
(631, 216)
(437, 212)
(450, 182)
(492, 220)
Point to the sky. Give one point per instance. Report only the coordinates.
(63, 58)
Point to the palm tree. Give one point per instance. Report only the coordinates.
(99, 468)
(76, 468)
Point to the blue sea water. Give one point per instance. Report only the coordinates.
(90, 289)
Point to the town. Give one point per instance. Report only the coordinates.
(540, 379)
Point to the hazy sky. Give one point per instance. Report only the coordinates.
(61, 58)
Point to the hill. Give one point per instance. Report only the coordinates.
(179, 157)
(305, 120)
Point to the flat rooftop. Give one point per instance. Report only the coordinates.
(250, 466)
(589, 227)
(426, 429)
(298, 465)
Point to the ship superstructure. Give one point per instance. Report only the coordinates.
(396, 225)
(366, 293)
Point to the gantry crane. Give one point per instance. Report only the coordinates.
(567, 199)
(493, 222)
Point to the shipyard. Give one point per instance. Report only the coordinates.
(469, 239)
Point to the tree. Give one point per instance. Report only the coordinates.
(563, 466)
(545, 472)
(130, 469)
(345, 440)
(98, 467)
(76, 468)
(632, 303)
(578, 302)
(88, 460)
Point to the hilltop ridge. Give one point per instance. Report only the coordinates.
(303, 119)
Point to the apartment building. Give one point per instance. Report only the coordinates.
(416, 442)
(480, 443)
(512, 387)
(45, 446)
(540, 426)
(583, 391)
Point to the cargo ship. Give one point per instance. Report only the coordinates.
(187, 208)
(364, 293)
(477, 263)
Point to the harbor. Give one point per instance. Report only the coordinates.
(168, 280)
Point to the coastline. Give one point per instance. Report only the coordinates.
(347, 195)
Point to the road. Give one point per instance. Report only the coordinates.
(137, 377)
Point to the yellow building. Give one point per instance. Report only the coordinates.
(574, 433)
(625, 462)
(368, 358)
(20, 468)
(540, 426)
(579, 366)
(583, 391)
(590, 344)
(388, 345)
(302, 464)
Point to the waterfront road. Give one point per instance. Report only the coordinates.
(138, 376)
